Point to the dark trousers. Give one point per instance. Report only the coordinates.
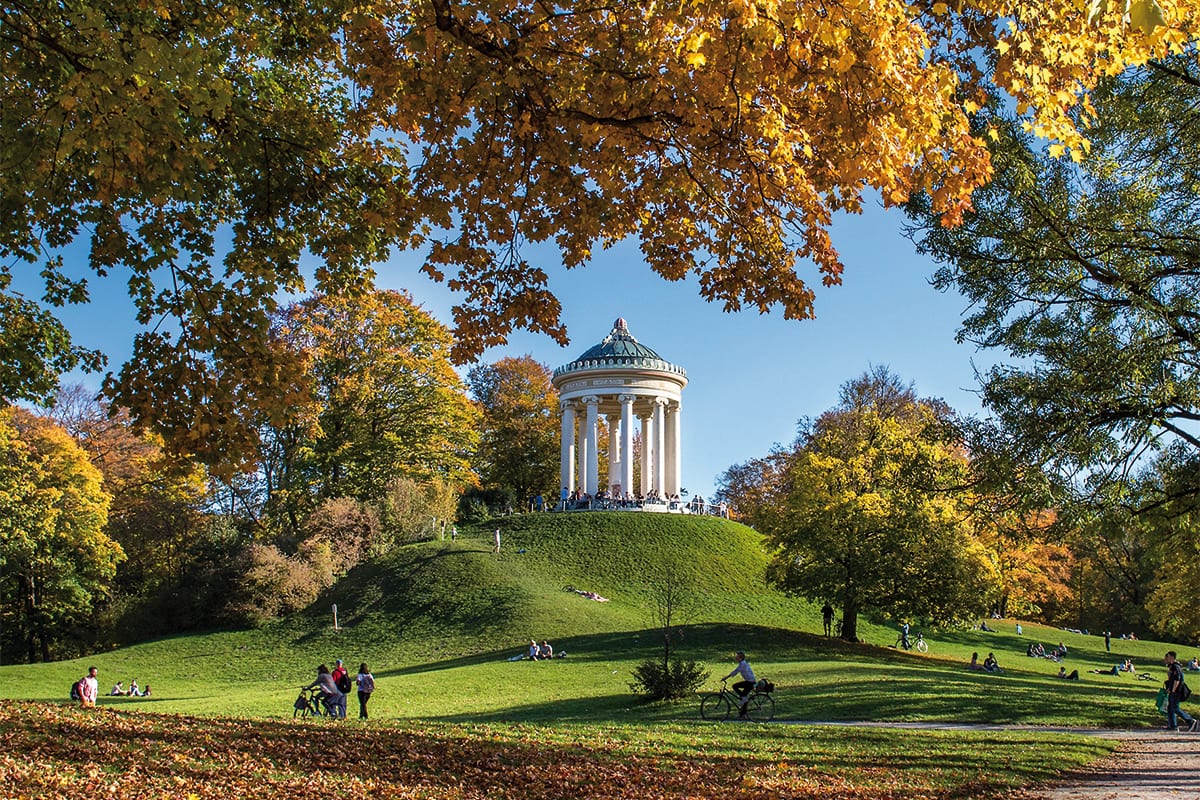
(363, 697)
(1175, 714)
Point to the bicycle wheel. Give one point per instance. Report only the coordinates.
(922, 646)
(761, 708)
(714, 707)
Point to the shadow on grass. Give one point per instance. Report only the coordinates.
(710, 641)
(453, 587)
(851, 683)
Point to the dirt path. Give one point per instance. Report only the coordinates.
(1151, 765)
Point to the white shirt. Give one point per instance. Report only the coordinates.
(743, 669)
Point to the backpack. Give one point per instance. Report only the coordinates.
(343, 682)
(368, 684)
(77, 690)
(1185, 691)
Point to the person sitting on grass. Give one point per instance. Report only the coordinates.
(545, 651)
(975, 665)
(1073, 676)
(534, 650)
(990, 664)
(117, 691)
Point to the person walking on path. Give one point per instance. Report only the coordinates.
(827, 616)
(1174, 686)
(366, 684)
(746, 684)
(497, 547)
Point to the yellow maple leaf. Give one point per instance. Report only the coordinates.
(1146, 15)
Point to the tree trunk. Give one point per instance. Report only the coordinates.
(849, 614)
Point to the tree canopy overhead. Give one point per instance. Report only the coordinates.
(203, 148)
(1089, 274)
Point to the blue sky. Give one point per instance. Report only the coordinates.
(751, 377)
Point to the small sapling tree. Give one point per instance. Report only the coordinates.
(671, 677)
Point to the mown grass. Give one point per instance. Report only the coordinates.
(437, 622)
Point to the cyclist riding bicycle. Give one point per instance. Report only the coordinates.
(746, 685)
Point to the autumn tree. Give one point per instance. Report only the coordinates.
(388, 405)
(157, 507)
(867, 509)
(1088, 274)
(198, 149)
(56, 563)
(518, 448)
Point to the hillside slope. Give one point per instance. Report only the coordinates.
(459, 598)
(438, 622)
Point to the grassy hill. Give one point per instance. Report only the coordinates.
(437, 621)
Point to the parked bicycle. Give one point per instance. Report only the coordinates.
(310, 703)
(718, 706)
(918, 643)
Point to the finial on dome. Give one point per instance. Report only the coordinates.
(620, 325)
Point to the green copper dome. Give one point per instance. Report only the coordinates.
(619, 349)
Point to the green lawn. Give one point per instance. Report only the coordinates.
(437, 622)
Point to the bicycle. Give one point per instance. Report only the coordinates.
(717, 706)
(918, 643)
(310, 703)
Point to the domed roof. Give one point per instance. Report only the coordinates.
(619, 343)
(619, 349)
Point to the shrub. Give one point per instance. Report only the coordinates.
(673, 681)
(339, 535)
(270, 584)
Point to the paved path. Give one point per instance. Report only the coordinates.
(1151, 764)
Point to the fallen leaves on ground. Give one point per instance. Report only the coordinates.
(62, 751)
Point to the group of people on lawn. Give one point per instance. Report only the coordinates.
(543, 651)
(989, 664)
(332, 688)
(133, 691)
(87, 689)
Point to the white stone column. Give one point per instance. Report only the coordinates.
(660, 441)
(627, 442)
(675, 463)
(647, 448)
(567, 458)
(581, 454)
(615, 454)
(593, 454)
